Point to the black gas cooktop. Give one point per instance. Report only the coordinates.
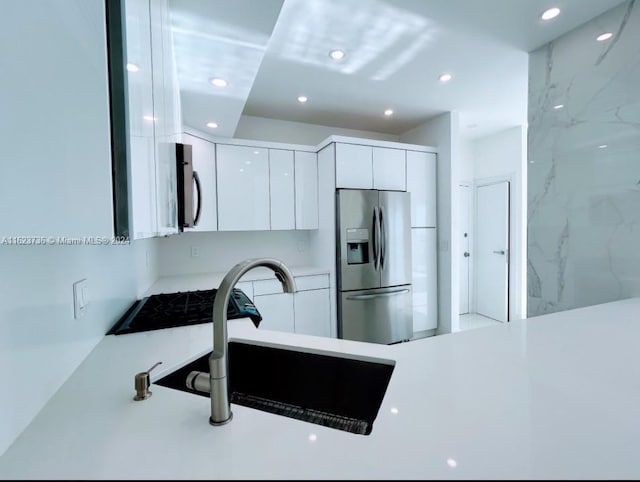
(169, 310)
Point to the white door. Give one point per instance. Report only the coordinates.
(465, 247)
(492, 269)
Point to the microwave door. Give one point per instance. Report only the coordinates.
(185, 180)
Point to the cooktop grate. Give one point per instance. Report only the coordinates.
(169, 310)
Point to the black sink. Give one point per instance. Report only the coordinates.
(338, 391)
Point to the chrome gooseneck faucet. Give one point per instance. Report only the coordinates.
(218, 361)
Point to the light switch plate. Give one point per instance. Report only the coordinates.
(80, 298)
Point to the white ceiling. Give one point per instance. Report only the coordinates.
(396, 50)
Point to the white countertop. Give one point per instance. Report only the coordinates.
(207, 281)
(556, 396)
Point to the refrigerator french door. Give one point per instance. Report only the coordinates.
(374, 265)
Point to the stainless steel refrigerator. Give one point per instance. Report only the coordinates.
(374, 265)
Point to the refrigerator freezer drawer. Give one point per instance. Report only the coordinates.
(382, 315)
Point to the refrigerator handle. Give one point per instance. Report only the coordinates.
(383, 236)
(378, 295)
(376, 239)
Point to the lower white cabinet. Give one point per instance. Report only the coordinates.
(306, 311)
(424, 279)
(312, 312)
(276, 311)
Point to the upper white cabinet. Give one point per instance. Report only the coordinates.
(421, 183)
(306, 190)
(154, 118)
(389, 169)
(243, 188)
(367, 167)
(281, 186)
(354, 166)
(203, 155)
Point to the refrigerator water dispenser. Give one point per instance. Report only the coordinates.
(357, 246)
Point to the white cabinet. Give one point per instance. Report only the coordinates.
(243, 188)
(312, 312)
(306, 311)
(421, 183)
(306, 190)
(424, 278)
(389, 169)
(154, 116)
(276, 311)
(203, 156)
(367, 167)
(281, 186)
(354, 168)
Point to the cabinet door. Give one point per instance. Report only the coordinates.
(389, 169)
(204, 166)
(354, 166)
(143, 187)
(424, 279)
(140, 116)
(421, 183)
(276, 311)
(281, 184)
(312, 312)
(306, 192)
(243, 188)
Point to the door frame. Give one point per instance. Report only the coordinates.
(472, 217)
(511, 288)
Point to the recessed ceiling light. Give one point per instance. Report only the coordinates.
(132, 67)
(603, 146)
(604, 36)
(337, 54)
(446, 77)
(212, 125)
(302, 99)
(559, 106)
(218, 82)
(388, 112)
(551, 13)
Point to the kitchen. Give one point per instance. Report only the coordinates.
(74, 199)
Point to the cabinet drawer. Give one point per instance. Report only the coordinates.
(312, 282)
(267, 287)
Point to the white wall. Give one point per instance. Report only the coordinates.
(41, 343)
(502, 156)
(55, 181)
(220, 251)
(260, 128)
(443, 132)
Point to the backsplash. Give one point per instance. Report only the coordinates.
(584, 165)
(193, 252)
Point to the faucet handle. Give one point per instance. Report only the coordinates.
(142, 382)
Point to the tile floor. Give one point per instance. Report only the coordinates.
(470, 321)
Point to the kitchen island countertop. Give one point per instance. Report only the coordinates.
(556, 396)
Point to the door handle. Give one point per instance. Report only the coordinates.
(466, 254)
(378, 295)
(196, 179)
(376, 239)
(383, 235)
(501, 252)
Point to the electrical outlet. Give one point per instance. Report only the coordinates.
(195, 251)
(80, 298)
